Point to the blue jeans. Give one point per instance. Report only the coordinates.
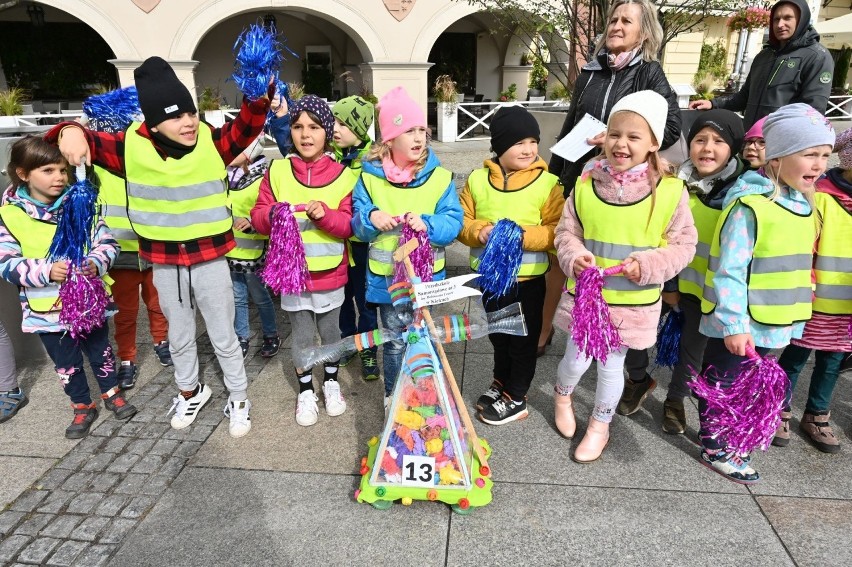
(67, 356)
(246, 283)
(392, 351)
(355, 295)
(823, 378)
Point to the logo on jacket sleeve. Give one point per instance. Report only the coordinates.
(825, 78)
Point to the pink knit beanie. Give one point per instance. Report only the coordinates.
(398, 113)
(843, 147)
(756, 130)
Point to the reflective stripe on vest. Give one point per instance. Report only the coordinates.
(113, 196)
(691, 279)
(322, 250)
(613, 232)
(523, 206)
(35, 237)
(779, 273)
(833, 266)
(176, 200)
(250, 246)
(397, 200)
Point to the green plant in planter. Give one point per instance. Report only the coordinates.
(841, 70)
(526, 58)
(509, 94)
(445, 91)
(11, 101)
(209, 99)
(559, 92)
(296, 90)
(538, 75)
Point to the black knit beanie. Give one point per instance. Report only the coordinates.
(161, 94)
(510, 125)
(728, 125)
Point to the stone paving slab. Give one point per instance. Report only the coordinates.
(277, 518)
(17, 473)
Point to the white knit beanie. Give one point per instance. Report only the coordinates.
(794, 128)
(649, 105)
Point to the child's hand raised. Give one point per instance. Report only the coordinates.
(582, 263)
(485, 233)
(59, 271)
(736, 344)
(415, 222)
(73, 146)
(383, 221)
(315, 210)
(632, 270)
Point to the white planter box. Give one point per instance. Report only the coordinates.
(8, 122)
(215, 118)
(448, 125)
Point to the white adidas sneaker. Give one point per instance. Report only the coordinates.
(186, 410)
(307, 411)
(334, 403)
(239, 414)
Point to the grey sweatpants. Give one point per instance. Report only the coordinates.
(8, 370)
(206, 286)
(305, 325)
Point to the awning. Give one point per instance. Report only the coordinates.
(835, 33)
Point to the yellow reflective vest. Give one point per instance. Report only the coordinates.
(691, 280)
(176, 200)
(396, 201)
(250, 246)
(523, 206)
(833, 265)
(611, 232)
(322, 250)
(35, 237)
(113, 197)
(779, 272)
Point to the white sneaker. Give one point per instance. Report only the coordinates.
(334, 402)
(307, 411)
(187, 409)
(239, 414)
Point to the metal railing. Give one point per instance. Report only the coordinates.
(839, 107)
(34, 120)
(473, 116)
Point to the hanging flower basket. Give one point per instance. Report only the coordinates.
(750, 19)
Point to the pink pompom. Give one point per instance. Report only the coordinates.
(286, 269)
(422, 258)
(83, 300)
(592, 330)
(746, 414)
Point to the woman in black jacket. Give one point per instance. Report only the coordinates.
(626, 62)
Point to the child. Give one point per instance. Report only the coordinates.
(130, 274)
(313, 178)
(244, 177)
(12, 397)
(401, 175)
(828, 330)
(178, 207)
(353, 117)
(760, 261)
(626, 209)
(712, 168)
(33, 203)
(754, 145)
(513, 185)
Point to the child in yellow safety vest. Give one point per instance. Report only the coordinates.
(514, 185)
(827, 332)
(312, 178)
(757, 290)
(31, 208)
(627, 208)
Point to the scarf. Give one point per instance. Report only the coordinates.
(174, 150)
(396, 174)
(620, 61)
(635, 173)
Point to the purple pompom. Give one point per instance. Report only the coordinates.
(286, 269)
(501, 260)
(84, 300)
(668, 338)
(592, 330)
(422, 258)
(745, 415)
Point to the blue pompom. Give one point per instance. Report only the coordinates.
(258, 58)
(500, 262)
(112, 111)
(668, 338)
(73, 238)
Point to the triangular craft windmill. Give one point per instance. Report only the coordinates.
(429, 449)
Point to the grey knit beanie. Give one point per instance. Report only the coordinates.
(794, 128)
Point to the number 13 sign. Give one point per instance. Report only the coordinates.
(418, 471)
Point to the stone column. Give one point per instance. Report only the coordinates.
(382, 77)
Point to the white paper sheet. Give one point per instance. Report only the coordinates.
(573, 146)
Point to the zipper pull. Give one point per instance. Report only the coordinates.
(620, 191)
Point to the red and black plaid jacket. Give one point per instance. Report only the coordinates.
(107, 151)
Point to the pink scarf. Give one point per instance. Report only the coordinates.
(618, 62)
(635, 173)
(396, 174)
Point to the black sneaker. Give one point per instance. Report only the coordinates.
(127, 373)
(491, 395)
(84, 416)
(114, 401)
(270, 347)
(634, 394)
(369, 363)
(504, 410)
(163, 353)
(244, 346)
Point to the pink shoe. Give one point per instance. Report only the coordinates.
(564, 409)
(593, 443)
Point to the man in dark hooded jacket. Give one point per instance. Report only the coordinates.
(792, 67)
